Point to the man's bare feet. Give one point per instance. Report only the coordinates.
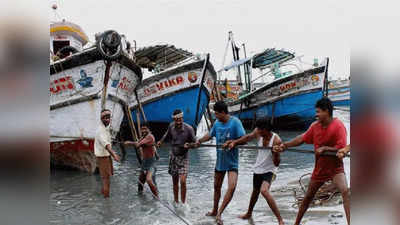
(245, 216)
(219, 220)
(106, 194)
(212, 213)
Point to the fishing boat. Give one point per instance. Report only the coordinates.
(339, 92)
(84, 79)
(181, 80)
(226, 89)
(288, 98)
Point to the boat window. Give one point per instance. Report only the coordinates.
(57, 45)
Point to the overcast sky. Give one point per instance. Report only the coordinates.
(311, 28)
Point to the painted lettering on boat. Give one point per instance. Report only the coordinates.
(288, 86)
(160, 86)
(61, 84)
(60, 37)
(125, 84)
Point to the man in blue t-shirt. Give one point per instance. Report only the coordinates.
(225, 128)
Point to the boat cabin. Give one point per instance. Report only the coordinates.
(67, 37)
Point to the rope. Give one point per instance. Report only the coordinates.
(260, 148)
(323, 195)
(221, 146)
(166, 206)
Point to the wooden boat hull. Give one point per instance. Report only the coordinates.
(161, 94)
(339, 93)
(289, 102)
(78, 90)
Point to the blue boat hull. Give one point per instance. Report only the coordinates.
(345, 102)
(340, 96)
(158, 113)
(293, 112)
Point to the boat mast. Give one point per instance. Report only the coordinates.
(235, 51)
(203, 75)
(224, 59)
(246, 71)
(325, 86)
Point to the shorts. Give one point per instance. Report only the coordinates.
(105, 166)
(178, 165)
(149, 165)
(259, 178)
(224, 171)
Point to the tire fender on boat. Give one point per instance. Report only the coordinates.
(109, 45)
(66, 51)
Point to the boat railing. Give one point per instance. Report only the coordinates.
(159, 68)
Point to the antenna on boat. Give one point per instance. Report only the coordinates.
(54, 7)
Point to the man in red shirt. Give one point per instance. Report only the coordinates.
(328, 134)
(147, 144)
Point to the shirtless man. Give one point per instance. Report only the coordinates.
(149, 158)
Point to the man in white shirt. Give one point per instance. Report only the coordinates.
(265, 167)
(103, 151)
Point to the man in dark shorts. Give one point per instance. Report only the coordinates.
(225, 128)
(265, 167)
(178, 133)
(328, 134)
(148, 169)
(104, 152)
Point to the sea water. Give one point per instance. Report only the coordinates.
(75, 196)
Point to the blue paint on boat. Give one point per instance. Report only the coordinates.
(160, 111)
(300, 107)
(340, 96)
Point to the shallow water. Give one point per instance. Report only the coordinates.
(75, 196)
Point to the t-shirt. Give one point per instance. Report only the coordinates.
(232, 129)
(147, 144)
(332, 136)
(102, 139)
(178, 137)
